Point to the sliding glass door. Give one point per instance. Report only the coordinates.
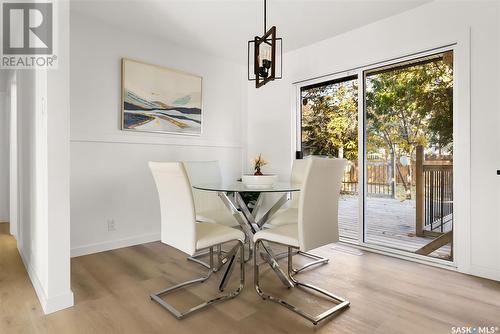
(395, 128)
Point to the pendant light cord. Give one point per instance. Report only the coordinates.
(265, 25)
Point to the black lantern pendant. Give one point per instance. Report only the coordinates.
(263, 63)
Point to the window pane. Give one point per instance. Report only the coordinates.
(330, 128)
(409, 155)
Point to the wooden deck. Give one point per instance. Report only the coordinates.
(390, 223)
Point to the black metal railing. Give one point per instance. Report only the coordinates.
(438, 197)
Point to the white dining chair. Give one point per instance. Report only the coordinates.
(317, 226)
(208, 206)
(180, 230)
(290, 214)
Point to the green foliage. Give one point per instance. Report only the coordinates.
(329, 120)
(405, 106)
(410, 106)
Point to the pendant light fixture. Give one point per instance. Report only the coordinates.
(264, 56)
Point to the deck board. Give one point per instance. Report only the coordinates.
(390, 222)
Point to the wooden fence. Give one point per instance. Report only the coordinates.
(350, 180)
(379, 179)
(437, 177)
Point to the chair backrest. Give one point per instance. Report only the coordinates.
(202, 172)
(297, 177)
(318, 203)
(178, 217)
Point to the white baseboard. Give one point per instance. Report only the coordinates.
(52, 304)
(114, 244)
(58, 303)
(485, 272)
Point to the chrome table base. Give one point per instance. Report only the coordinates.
(249, 225)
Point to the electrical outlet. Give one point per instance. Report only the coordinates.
(111, 225)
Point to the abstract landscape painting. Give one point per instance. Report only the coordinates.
(159, 99)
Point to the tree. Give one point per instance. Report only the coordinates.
(408, 106)
(329, 120)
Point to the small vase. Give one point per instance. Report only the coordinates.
(257, 171)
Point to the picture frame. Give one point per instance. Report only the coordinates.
(160, 99)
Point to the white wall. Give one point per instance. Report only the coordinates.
(110, 179)
(13, 155)
(56, 104)
(32, 233)
(4, 157)
(43, 173)
(270, 115)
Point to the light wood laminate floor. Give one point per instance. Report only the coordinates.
(112, 290)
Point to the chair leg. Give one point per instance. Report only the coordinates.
(195, 259)
(215, 268)
(181, 314)
(317, 259)
(315, 319)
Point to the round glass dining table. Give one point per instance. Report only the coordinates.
(250, 220)
(239, 187)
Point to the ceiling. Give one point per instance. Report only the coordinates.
(223, 27)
